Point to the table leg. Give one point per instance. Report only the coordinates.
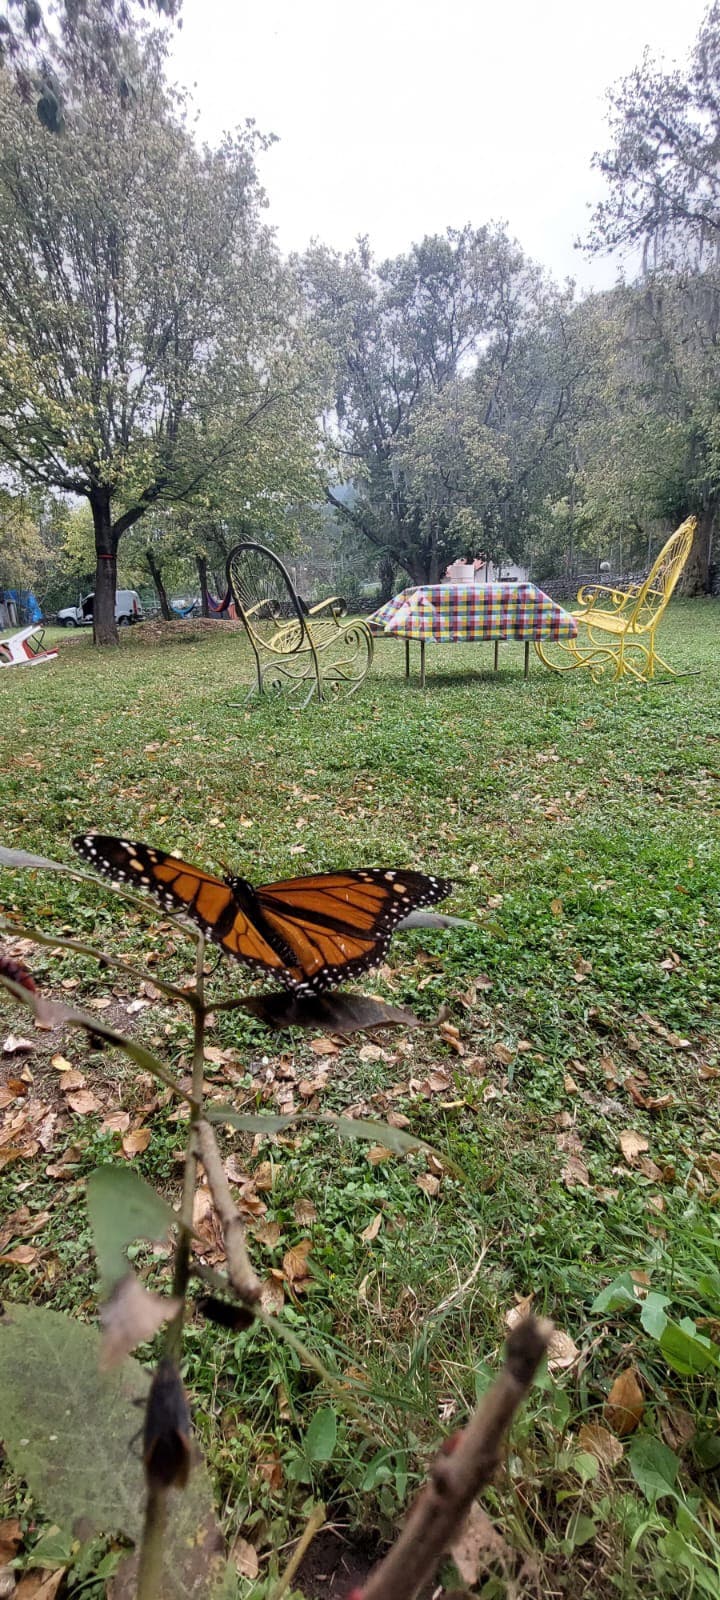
(407, 658)
(422, 663)
(497, 652)
(527, 658)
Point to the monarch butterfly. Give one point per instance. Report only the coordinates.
(310, 932)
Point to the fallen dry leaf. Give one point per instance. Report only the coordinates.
(61, 1063)
(602, 1444)
(575, 1173)
(428, 1183)
(373, 1228)
(665, 1033)
(39, 1585)
(650, 1169)
(502, 1054)
(678, 1427)
(437, 1082)
(64, 1167)
(130, 1316)
(478, 1545)
(371, 1052)
(83, 1102)
(519, 1311)
(214, 1055)
(610, 1070)
(116, 1122)
(262, 1177)
(624, 1406)
(135, 1142)
(267, 1233)
(323, 1047)
(570, 1085)
(304, 1213)
(10, 1537)
(636, 1093)
(378, 1153)
(562, 1351)
(22, 1256)
(272, 1296)
(20, 1087)
(295, 1263)
(72, 1079)
(270, 1468)
(244, 1557)
(632, 1145)
(15, 1044)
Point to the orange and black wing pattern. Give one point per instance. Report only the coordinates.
(338, 924)
(182, 887)
(311, 932)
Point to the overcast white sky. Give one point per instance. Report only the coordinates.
(398, 118)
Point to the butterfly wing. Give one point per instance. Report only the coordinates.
(210, 902)
(338, 924)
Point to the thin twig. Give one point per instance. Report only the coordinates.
(457, 1477)
(315, 1522)
(239, 1267)
(181, 1273)
(18, 931)
(152, 1544)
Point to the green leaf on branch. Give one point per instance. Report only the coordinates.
(56, 1014)
(70, 1431)
(395, 1139)
(24, 860)
(123, 1207)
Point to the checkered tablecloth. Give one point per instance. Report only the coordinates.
(456, 613)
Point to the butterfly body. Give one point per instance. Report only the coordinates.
(309, 932)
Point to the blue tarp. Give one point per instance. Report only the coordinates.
(26, 603)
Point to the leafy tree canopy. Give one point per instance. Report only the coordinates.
(149, 333)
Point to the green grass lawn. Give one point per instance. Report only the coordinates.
(580, 825)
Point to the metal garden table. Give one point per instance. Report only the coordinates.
(471, 613)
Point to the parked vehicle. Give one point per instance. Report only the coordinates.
(128, 609)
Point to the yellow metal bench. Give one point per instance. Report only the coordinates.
(296, 647)
(616, 627)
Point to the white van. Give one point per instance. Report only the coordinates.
(128, 608)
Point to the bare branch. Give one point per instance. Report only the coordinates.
(240, 1272)
(456, 1478)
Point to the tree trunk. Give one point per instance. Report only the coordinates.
(387, 578)
(696, 578)
(104, 625)
(201, 564)
(160, 589)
